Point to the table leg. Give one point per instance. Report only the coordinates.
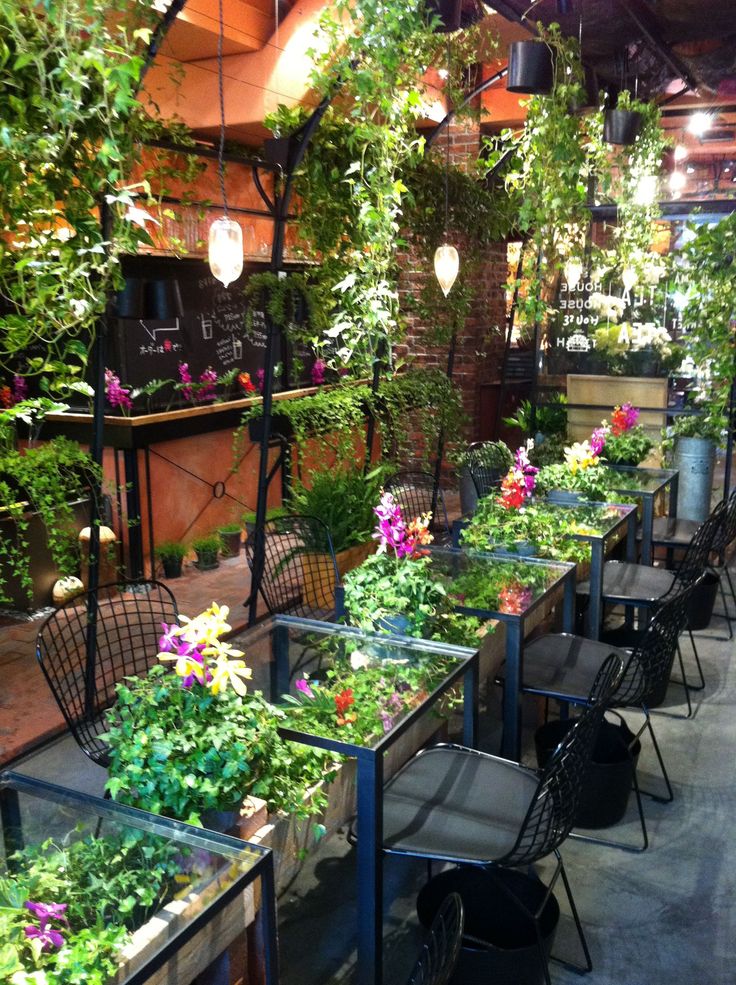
(674, 487)
(647, 529)
(568, 604)
(11, 822)
(370, 869)
(267, 922)
(470, 705)
(279, 662)
(595, 600)
(511, 740)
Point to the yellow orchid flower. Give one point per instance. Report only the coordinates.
(229, 672)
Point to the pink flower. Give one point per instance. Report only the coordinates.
(20, 389)
(303, 686)
(318, 372)
(47, 911)
(598, 440)
(185, 377)
(208, 379)
(116, 395)
(48, 937)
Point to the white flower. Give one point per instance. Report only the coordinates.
(64, 234)
(139, 216)
(359, 660)
(79, 307)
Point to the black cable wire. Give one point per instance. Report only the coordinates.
(220, 85)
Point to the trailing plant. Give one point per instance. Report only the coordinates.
(342, 497)
(292, 302)
(46, 480)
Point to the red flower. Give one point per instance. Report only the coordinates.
(6, 397)
(513, 491)
(343, 701)
(246, 383)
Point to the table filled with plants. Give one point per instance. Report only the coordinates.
(92, 891)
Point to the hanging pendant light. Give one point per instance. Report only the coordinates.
(225, 253)
(446, 266)
(446, 257)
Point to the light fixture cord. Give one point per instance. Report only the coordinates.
(447, 150)
(221, 91)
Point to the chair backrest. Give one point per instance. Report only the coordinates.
(129, 624)
(299, 574)
(416, 493)
(440, 950)
(727, 532)
(647, 672)
(486, 477)
(695, 559)
(551, 814)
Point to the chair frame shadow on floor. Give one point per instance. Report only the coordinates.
(441, 948)
(129, 617)
(647, 669)
(552, 796)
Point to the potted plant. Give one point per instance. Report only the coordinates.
(621, 124)
(230, 539)
(249, 518)
(342, 498)
(171, 554)
(693, 442)
(492, 455)
(189, 738)
(207, 548)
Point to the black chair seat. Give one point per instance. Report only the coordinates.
(454, 803)
(564, 666)
(626, 582)
(674, 531)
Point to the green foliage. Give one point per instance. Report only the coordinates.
(595, 484)
(549, 419)
(111, 885)
(43, 479)
(706, 425)
(342, 497)
(548, 452)
(173, 550)
(207, 544)
(629, 448)
(180, 751)
(292, 302)
(548, 528)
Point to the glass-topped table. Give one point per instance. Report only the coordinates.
(493, 586)
(357, 694)
(647, 484)
(179, 894)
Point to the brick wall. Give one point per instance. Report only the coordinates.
(479, 349)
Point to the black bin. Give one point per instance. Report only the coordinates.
(510, 955)
(701, 602)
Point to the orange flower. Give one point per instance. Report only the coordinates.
(6, 397)
(246, 383)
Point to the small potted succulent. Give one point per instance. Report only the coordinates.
(171, 554)
(230, 539)
(207, 548)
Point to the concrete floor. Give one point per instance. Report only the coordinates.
(663, 917)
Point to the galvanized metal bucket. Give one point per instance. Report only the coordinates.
(695, 458)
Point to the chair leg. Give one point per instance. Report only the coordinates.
(696, 687)
(724, 614)
(730, 583)
(665, 775)
(683, 681)
(575, 916)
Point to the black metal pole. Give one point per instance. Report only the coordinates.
(729, 440)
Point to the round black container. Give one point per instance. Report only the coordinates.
(171, 566)
(701, 602)
(605, 796)
(531, 68)
(621, 126)
(511, 956)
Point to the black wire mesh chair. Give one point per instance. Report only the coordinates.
(440, 950)
(674, 534)
(129, 617)
(300, 573)
(562, 666)
(643, 586)
(454, 804)
(414, 491)
(486, 478)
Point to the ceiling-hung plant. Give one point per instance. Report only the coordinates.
(555, 156)
(351, 186)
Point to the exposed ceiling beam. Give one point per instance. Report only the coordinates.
(651, 35)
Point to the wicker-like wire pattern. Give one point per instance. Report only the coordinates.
(440, 950)
(129, 624)
(414, 491)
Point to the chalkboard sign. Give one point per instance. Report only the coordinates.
(174, 311)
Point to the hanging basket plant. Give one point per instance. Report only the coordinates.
(621, 126)
(531, 68)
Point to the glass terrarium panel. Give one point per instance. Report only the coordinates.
(593, 520)
(643, 480)
(495, 584)
(111, 885)
(343, 684)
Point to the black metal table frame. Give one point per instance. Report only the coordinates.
(672, 478)
(511, 740)
(370, 769)
(11, 784)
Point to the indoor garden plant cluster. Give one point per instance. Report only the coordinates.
(396, 591)
(623, 441)
(67, 907)
(190, 740)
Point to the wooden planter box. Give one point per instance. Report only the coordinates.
(608, 391)
(42, 569)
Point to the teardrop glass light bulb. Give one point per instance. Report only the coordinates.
(573, 272)
(226, 250)
(629, 277)
(446, 266)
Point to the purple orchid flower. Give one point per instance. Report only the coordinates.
(387, 721)
(318, 372)
(303, 685)
(195, 676)
(47, 911)
(48, 937)
(168, 641)
(598, 440)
